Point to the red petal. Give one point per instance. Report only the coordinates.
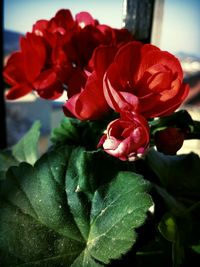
(166, 108)
(14, 70)
(18, 91)
(45, 79)
(40, 26)
(115, 97)
(52, 92)
(151, 55)
(108, 33)
(123, 35)
(48, 86)
(90, 102)
(76, 82)
(34, 53)
(71, 107)
(128, 60)
(84, 19)
(101, 59)
(64, 19)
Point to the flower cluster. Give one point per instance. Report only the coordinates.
(57, 53)
(103, 69)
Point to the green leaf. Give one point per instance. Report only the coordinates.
(78, 202)
(168, 227)
(6, 161)
(116, 210)
(189, 225)
(178, 253)
(178, 174)
(26, 149)
(180, 119)
(196, 248)
(45, 221)
(68, 130)
(37, 227)
(80, 133)
(85, 260)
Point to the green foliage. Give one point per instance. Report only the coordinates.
(180, 175)
(69, 130)
(179, 178)
(77, 206)
(196, 248)
(54, 214)
(6, 160)
(72, 131)
(169, 229)
(26, 149)
(180, 119)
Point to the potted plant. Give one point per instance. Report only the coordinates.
(110, 190)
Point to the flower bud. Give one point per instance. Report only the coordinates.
(127, 138)
(169, 140)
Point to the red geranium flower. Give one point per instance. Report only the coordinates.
(55, 52)
(127, 138)
(23, 67)
(145, 79)
(33, 68)
(89, 102)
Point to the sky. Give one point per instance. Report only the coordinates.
(20, 15)
(180, 27)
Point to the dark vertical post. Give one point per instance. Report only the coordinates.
(137, 18)
(2, 101)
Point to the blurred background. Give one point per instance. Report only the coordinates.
(175, 29)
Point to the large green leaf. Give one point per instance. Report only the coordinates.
(50, 216)
(180, 175)
(116, 210)
(26, 149)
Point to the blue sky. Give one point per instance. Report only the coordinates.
(21, 14)
(180, 28)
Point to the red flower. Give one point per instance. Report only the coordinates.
(169, 140)
(58, 29)
(33, 69)
(78, 38)
(84, 42)
(23, 67)
(145, 79)
(55, 52)
(89, 102)
(127, 138)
